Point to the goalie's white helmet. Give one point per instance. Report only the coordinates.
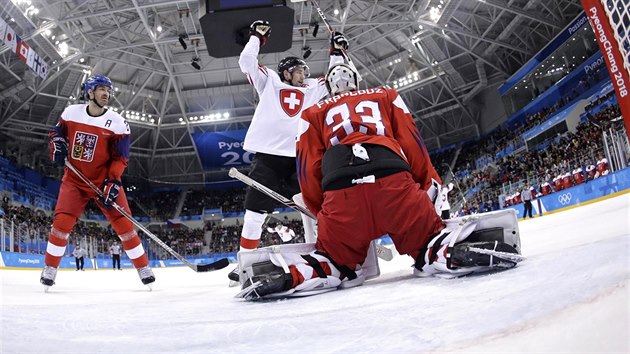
(341, 77)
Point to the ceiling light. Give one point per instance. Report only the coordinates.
(195, 63)
(306, 52)
(181, 41)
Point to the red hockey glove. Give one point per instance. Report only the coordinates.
(260, 29)
(111, 189)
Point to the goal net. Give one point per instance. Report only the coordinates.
(610, 20)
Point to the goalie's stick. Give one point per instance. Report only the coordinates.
(383, 252)
(220, 264)
(332, 31)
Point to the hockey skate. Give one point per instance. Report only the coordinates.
(234, 277)
(146, 275)
(48, 276)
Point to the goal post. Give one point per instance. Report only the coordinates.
(610, 20)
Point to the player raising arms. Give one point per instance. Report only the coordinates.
(271, 134)
(364, 171)
(98, 141)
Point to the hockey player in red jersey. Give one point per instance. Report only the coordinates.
(364, 171)
(602, 167)
(578, 175)
(545, 188)
(567, 181)
(96, 141)
(271, 134)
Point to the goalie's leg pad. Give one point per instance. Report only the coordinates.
(486, 228)
(291, 257)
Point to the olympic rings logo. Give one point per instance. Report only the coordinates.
(565, 198)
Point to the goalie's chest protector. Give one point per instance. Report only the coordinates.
(274, 126)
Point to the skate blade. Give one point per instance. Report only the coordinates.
(150, 286)
(233, 283)
(46, 288)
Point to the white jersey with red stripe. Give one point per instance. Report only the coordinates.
(273, 128)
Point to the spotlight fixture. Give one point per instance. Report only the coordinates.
(195, 63)
(181, 41)
(306, 52)
(315, 29)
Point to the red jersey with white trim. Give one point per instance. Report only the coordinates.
(566, 181)
(578, 176)
(545, 188)
(374, 116)
(602, 168)
(274, 125)
(97, 146)
(557, 183)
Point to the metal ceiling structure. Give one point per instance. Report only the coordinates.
(439, 54)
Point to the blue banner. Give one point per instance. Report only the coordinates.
(555, 43)
(24, 260)
(559, 117)
(222, 149)
(597, 188)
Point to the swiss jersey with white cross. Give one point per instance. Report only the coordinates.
(273, 128)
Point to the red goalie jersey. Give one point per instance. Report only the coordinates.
(372, 116)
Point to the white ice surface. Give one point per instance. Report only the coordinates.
(570, 295)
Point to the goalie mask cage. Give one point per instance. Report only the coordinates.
(610, 20)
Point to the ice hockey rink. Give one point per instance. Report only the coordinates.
(570, 295)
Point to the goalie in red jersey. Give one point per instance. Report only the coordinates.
(364, 171)
(96, 141)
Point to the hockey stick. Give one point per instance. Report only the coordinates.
(332, 31)
(456, 181)
(383, 252)
(513, 257)
(221, 263)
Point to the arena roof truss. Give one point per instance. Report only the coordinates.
(440, 54)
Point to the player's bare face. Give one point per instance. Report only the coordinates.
(101, 95)
(297, 76)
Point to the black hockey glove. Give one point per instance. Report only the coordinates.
(111, 189)
(338, 42)
(58, 150)
(260, 29)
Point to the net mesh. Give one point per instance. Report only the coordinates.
(618, 13)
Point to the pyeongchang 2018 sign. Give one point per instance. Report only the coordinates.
(222, 149)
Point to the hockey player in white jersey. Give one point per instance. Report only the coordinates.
(271, 135)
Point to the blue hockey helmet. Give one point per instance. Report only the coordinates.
(97, 80)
